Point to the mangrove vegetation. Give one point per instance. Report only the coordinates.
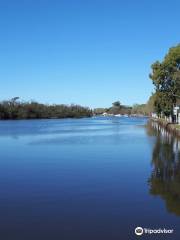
(16, 109)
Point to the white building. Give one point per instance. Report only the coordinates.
(176, 112)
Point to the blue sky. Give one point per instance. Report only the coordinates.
(89, 52)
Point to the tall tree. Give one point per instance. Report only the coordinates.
(166, 79)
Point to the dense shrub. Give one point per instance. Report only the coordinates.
(14, 109)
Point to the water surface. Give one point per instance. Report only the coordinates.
(95, 178)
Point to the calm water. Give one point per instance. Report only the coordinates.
(87, 179)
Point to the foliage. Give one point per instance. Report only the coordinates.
(98, 111)
(139, 109)
(117, 108)
(116, 104)
(166, 79)
(14, 109)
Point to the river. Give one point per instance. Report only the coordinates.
(90, 179)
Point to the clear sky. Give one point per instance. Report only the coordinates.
(89, 52)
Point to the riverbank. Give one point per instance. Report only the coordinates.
(171, 127)
(121, 115)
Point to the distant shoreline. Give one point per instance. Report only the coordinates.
(14, 109)
(93, 116)
(18, 110)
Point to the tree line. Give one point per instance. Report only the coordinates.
(15, 109)
(118, 108)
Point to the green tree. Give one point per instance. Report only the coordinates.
(14, 109)
(116, 104)
(166, 79)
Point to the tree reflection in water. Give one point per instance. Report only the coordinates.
(165, 176)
